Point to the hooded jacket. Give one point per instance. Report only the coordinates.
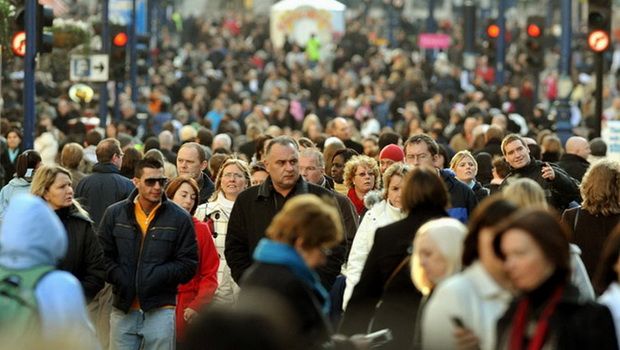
(27, 243)
(15, 186)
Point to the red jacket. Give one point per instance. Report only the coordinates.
(200, 290)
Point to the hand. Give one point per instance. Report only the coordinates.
(466, 339)
(189, 314)
(547, 172)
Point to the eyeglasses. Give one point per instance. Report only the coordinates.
(236, 176)
(152, 181)
(365, 174)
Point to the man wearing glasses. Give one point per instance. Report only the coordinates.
(105, 186)
(149, 249)
(422, 150)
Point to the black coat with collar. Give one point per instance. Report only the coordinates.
(574, 325)
(391, 246)
(149, 268)
(253, 211)
(84, 258)
(574, 165)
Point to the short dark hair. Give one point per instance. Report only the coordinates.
(546, 230)
(598, 147)
(433, 148)
(346, 153)
(106, 149)
(510, 138)
(93, 138)
(490, 212)
(282, 141)
(151, 163)
(424, 188)
(388, 138)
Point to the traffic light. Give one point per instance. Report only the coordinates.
(45, 39)
(142, 54)
(118, 53)
(534, 43)
(493, 31)
(599, 25)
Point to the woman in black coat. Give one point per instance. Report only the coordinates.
(84, 257)
(9, 155)
(548, 312)
(386, 276)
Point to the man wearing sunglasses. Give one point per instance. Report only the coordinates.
(149, 249)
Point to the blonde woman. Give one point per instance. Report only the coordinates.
(232, 178)
(361, 175)
(465, 168)
(84, 258)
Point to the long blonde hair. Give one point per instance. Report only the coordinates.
(241, 164)
(43, 179)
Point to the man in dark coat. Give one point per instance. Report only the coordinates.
(575, 160)
(149, 248)
(105, 186)
(256, 206)
(560, 189)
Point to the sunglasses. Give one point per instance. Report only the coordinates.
(152, 181)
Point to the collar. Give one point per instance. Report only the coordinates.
(105, 168)
(574, 157)
(485, 284)
(266, 189)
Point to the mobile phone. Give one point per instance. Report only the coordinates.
(457, 322)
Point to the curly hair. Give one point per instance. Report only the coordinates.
(361, 160)
(600, 188)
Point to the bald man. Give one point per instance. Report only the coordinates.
(575, 159)
(342, 130)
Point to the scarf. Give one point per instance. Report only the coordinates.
(358, 203)
(13, 153)
(272, 252)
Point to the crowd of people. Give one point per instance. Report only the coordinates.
(371, 189)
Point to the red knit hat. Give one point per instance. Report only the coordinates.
(393, 152)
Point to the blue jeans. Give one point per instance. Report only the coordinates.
(154, 330)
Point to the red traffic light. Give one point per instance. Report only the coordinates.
(533, 31)
(120, 39)
(18, 43)
(493, 31)
(598, 40)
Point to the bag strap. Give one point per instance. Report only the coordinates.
(396, 271)
(23, 280)
(576, 220)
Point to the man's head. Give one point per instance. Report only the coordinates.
(598, 147)
(389, 155)
(421, 150)
(149, 179)
(282, 162)
(109, 151)
(92, 138)
(515, 151)
(166, 140)
(341, 129)
(191, 160)
(578, 146)
(312, 166)
(222, 141)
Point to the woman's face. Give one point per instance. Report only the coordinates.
(13, 140)
(364, 179)
(394, 190)
(466, 169)
(432, 260)
(60, 193)
(232, 182)
(525, 262)
(259, 177)
(185, 197)
(338, 169)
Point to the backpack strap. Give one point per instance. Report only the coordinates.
(22, 280)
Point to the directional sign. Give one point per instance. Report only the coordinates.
(89, 68)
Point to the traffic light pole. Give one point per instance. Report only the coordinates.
(500, 56)
(563, 126)
(105, 42)
(598, 95)
(133, 69)
(29, 70)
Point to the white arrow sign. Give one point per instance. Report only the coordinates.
(89, 68)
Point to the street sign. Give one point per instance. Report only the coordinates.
(89, 68)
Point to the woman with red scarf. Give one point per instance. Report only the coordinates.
(361, 175)
(548, 312)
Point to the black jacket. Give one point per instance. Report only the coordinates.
(574, 325)
(392, 245)
(574, 165)
(251, 215)
(206, 189)
(149, 269)
(310, 327)
(84, 258)
(104, 187)
(462, 199)
(559, 192)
